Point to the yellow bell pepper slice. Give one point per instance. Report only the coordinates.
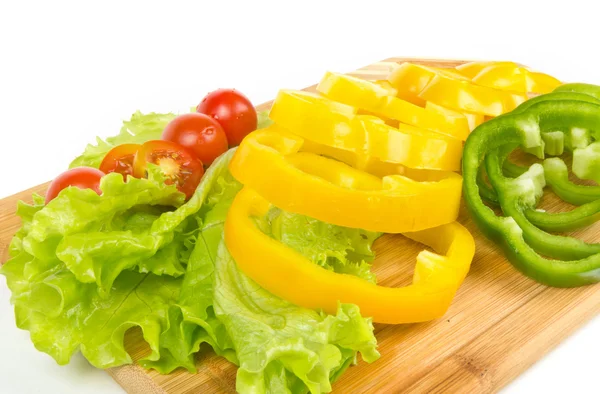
(410, 79)
(291, 276)
(371, 97)
(387, 121)
(471, 69)
(517, 79)
(363, 94)
(466, 96)
(407, 145)
(405, 112)
(392, 91)
(291, 107)
(371, 165)
(328, 190)
(367, 137)
(474, 120)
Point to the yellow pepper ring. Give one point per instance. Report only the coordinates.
(471, 69)
(474, 120)
(392, 91)
(410, 79)
(517, 79)
(369, 96)
(365, 136)
(371, 165)
(291, 276)
(333, 192)
(466, 96)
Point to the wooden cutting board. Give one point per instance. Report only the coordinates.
(499, 324)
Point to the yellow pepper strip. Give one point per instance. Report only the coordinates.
(447, 71)
(363, 94)
(392, 91)
(305, 183)
(371, 165)
(471, 69)
(540, 83)
(387, 121)
(367, 137)
(289, 275)
(410, 79)
(474, 120)
(313, 111)
(405, 112)
(466, 96)
(515, 78)
(408, 145)
(369, 96)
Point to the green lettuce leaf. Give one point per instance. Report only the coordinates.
(282, 347)
(137, 130)
(196, 321)
(66, 308)
(80, 229)
(83, 229)
(263, 119)
(335, 248)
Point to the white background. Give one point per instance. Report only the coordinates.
(72, 70)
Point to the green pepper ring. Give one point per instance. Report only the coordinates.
(555, 111)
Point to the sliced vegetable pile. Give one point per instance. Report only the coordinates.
(335, 192)
(566, 120)
(262, 251)
(393, 158)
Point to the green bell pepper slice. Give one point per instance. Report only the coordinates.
(518, 200)
(552, 145)
(575, 263)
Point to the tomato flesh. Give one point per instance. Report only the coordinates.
(199, 134)
(180, 167)
(120, 159)
(81, 177)
(233, 111)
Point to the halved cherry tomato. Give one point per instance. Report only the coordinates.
(199, 133)
(233, 111)
(81, 177)
(180, 166)
(120, 159)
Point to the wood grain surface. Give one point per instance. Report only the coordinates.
(499, 324)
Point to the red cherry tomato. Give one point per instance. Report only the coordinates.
(180, 167)
(199, 134)
(81, 177)
(120, 159)
(233, 111)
